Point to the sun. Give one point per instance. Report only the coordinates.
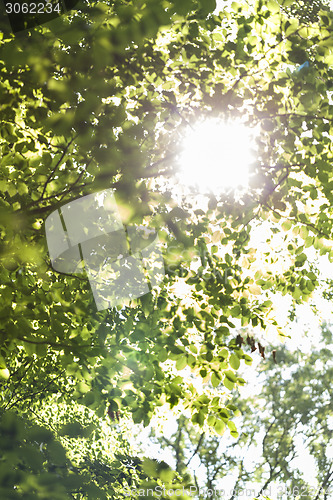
(216, 155)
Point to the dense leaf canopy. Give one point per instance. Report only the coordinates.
(289, 425)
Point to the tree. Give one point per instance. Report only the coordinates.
(293, 405)
(97, 99)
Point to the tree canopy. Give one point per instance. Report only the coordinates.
(100, 98)
(289, 408)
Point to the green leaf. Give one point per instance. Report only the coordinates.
(286, 225)
(230, 375)
(220, 427)
(233, 429)
(72, 429)
(224, 353)
(215, 379)
(181, 363)
(57, 453)
(228, 383)
(234, 361)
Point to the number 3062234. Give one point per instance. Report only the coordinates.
(32, 8)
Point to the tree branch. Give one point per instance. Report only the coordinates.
(59, 162)
(196, 449)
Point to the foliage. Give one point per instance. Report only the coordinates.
(70, 453)
(97, 99)
(34, 464)
(305, 10)
(288, 417)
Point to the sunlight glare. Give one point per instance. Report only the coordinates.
(216, 155)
